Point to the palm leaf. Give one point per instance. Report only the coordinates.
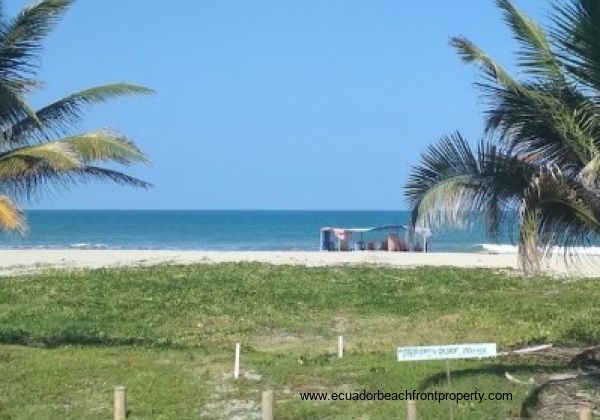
(470, 54)
(496, 78)
(90, 172)
(56, 119)
(590, 174)
(11, 217)
(106, 146)
(20, 40)
(556, 125)
(45, 181)
(536, 56)
(30, 162)
(556, 211)
(543, 156)
(549, 119)
(576, 32)
(453, 183)
(27, 161)
(13, 106)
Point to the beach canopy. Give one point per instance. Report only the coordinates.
(344, 234)
(364, 230)
(418, 230)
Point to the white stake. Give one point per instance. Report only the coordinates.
(340, 346)
(585, 412)
(236, 365)
(267, 405)
(411, 410)
(120, 403)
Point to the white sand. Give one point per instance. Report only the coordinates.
(22, 261)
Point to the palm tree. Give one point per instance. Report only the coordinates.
(540, 156)
(37, 149)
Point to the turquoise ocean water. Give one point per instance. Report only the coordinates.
(218, 230)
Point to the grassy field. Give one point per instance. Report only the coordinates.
(168, 332)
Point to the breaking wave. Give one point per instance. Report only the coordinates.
(513, 249)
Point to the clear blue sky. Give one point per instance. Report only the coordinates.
(299, 104)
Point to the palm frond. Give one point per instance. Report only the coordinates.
(540, 119)
(59, 117)
(20, 42)
(20, 39)
(470, 54)
(47, 182)
(90, 172)
(106, 146)
(27, 161)
(536, 56)
(576, 32)
(556, 125)
(544, 159)
(13, 106)
(450, 157)
(557, 212)
(30, 161)
(590, 174)
(11, 217)
(452, 183)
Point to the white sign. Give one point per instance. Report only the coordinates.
(456, 351)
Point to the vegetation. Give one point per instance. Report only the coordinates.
(168, 333)
(540, 158)
(37, 148)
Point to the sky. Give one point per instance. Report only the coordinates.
(269, 104)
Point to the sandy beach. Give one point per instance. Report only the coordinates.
(26, 261)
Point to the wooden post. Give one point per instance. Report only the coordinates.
(585, 412)
(236, 363)
(267, 405)
(411, 410)
(341, 346)
(120, 403)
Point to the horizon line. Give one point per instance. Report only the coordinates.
(205, 209)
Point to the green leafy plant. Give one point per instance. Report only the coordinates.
(540, 156)
(37, 148)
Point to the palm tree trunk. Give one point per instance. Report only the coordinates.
(529, 251)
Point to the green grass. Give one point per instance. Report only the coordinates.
(168, 332)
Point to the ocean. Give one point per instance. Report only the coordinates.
(221, 230)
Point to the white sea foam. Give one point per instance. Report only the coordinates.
(513, 249)
(499, 249)
(88, 246)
